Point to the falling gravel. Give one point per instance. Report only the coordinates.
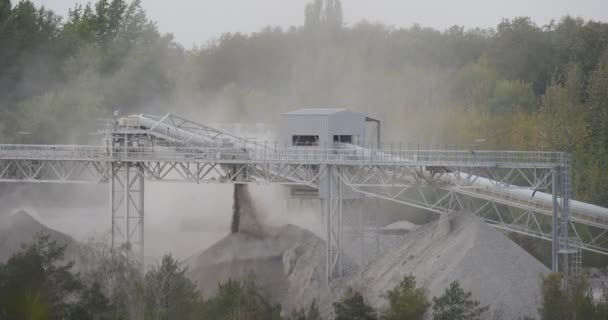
(245, 217)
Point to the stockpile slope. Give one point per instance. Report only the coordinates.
(499, 273)
(288, 264)
(20, 228)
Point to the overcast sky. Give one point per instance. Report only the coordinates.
(196, 21)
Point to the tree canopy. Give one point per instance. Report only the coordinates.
(406, 301)
(516, 86)
(456, 304)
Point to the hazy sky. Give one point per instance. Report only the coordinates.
(196, 21)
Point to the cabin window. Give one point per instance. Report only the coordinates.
(305, 141)
(343, 138)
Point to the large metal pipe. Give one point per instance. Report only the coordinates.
(378, 141)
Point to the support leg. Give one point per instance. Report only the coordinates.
(333, 224)
(555, 225)
(127, 210)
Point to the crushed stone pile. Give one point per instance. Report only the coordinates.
(497, 271)
(288, 263)
(20, 228)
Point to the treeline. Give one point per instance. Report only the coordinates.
(37, 283)
(516, 86)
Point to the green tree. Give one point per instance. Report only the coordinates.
(581, 300)
(352, 306)
(554, 303)
(521, 50)
(168, 293)
(456, 304)
(312, 313)
(240, 300)
(574, 303)
(323, 14)
(93, 305)
(406, 301)
(597, 121)
(562, 125)
(35, 283)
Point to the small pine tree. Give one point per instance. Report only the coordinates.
(36, 283)
(406, 302)
(169, 294)
(456, 304)
(353, 307)
(311, 314)
(240, 300)
(554, 303)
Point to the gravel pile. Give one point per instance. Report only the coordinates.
(289, 262)
(19, 228)
(498, 272)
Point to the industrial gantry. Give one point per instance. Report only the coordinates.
(323, 156)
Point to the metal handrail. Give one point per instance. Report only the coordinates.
(284, 154)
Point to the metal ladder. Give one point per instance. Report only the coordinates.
(569, 246)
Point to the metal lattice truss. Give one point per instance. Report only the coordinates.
(260, 173)
(173, 130)
(53, 171)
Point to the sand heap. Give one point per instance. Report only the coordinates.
(499, 273)
(19, 228)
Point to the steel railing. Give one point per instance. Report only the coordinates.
(296, 155)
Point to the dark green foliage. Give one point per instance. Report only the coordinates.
(456, 304)
(312, 313)
(93, 305)
(519, 85)
(575, 302)
(35, 283)
(168, 293)
(555, 301)
(240, 300)
(352, 306)
(406, 301)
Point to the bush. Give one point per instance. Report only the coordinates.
(352, 306)
(456, 304)
(406, 302)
